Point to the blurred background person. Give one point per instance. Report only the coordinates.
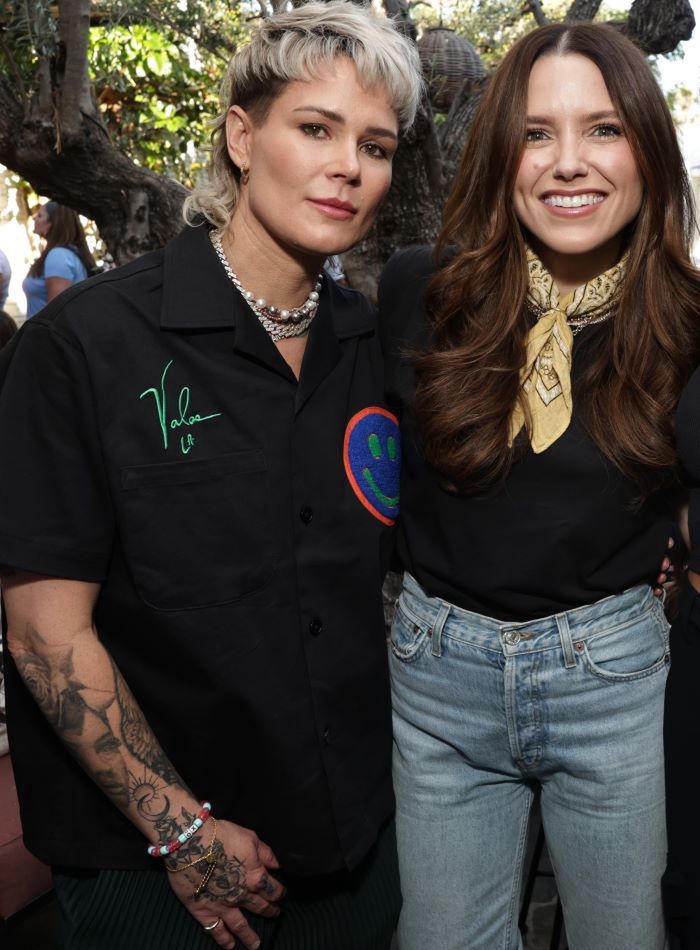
(5, 274)
(8, 328)
(65, 259)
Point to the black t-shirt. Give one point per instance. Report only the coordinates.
(560, 530)
(155, 441)
(688, 440)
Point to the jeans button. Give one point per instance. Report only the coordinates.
(512, 638)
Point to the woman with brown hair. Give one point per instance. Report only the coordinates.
(65, 259)
(537, 366)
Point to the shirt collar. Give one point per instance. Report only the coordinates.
(197, 293)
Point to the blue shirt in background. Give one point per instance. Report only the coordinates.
(60, 262)
(6, 272)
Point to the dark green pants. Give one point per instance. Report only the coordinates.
(136, 910)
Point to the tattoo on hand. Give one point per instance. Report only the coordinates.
(266, 886)
(227, 885)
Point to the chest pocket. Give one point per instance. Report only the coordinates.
(197, 533)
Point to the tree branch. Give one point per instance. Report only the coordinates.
(400, 12)
(74, 78)
(582, 10)
(11, 118)
(535, 8)
(14, 69)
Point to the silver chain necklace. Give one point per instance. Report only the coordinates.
(576, 325)
(279, 323)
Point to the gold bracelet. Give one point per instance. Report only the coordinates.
(202, 886)
(202, 857)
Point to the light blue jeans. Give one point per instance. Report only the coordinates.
(486, 712)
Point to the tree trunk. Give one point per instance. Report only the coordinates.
(582, 10)
(59, 144)
(659, 27)
(74, 83)
(535, 8)
(453, 132)
(411, 213)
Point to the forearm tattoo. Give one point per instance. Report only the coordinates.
(106, 731)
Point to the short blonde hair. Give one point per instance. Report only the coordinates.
(293, 46)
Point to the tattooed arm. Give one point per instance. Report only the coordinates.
(78, 687)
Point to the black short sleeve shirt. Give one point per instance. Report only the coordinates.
(154, 441)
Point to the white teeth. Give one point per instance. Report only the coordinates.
(573, 201)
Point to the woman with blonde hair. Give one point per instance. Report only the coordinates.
(537, 358)
(187, 442)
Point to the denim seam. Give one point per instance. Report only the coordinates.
(410, 615)
(510, 706)
(514, 903)
(660, 622)
(566, 641)
(408, 655)
(606, 631)
(622, 677)
(437, 628)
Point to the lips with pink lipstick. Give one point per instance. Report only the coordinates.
(572, 204)
(334, 208)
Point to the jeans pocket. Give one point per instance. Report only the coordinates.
(631, 650)
(408, 634)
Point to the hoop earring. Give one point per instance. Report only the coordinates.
(245, 174)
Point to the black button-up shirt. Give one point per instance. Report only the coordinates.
(154, 440)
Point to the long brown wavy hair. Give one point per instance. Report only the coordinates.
(65, 231)
(468, 378)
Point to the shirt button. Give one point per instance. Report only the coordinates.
(306, 514)
(315, 626)
(326, 736)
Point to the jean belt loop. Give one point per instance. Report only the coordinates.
(566, 642)
(436, 634)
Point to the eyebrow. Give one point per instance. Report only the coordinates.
(340, 119)
(590, 117)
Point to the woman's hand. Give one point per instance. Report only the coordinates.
(240, 878)
(665, 571)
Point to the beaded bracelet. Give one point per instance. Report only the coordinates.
(172, 846)
(202, 857)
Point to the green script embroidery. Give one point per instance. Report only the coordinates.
(183, 406)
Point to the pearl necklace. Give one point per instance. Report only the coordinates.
(280, 324)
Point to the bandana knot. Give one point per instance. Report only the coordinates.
(546, 376)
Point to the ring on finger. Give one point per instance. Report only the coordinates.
(209, 927)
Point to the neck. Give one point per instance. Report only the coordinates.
(266, 269)
(570, 271)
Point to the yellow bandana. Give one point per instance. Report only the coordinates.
(546, 376)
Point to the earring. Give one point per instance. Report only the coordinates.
(245, 174)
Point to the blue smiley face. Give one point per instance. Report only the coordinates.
(372, 459)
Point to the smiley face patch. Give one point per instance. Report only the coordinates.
(372, 459)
